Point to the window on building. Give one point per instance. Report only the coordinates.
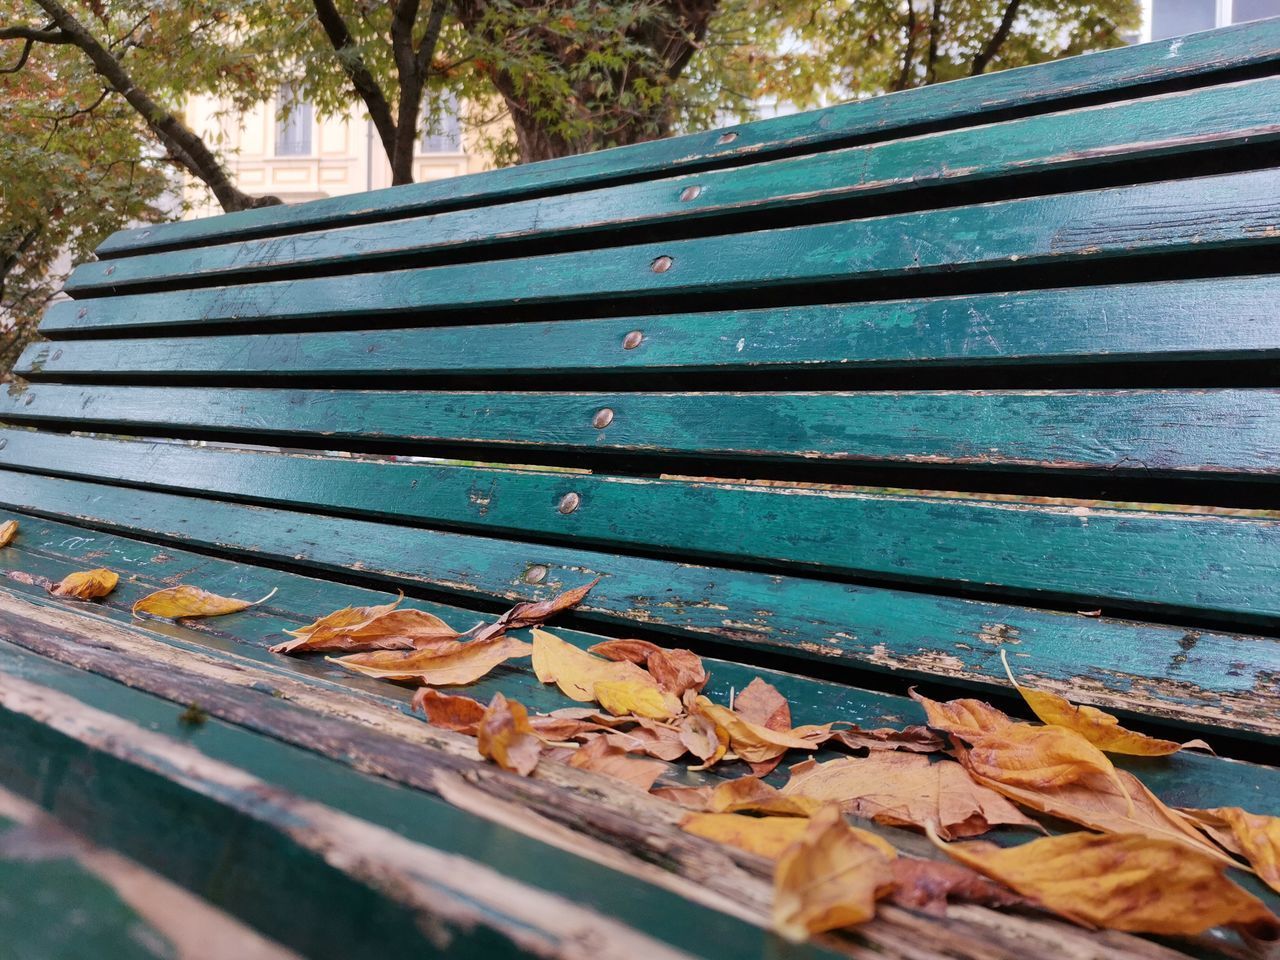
(1242, 10)
(293, 123)
(441, 128)
(1173, 18)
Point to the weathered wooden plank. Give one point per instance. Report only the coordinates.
(1202, 678)
(1175, 124)
(1195, 561)
(966, 933)
(64, 893)
(372, 883)
(1211, 213)
(1116, 74)
(1194, 320)
(1152, 433)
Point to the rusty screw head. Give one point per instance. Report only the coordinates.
(144, 234)
(82, 313)
(661, 264)
(632, 340)
(535, 574)
(109, 271)
(569, 503)
(690, 193)
(603, 417)
(724, 138)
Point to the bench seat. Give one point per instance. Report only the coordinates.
(853, 401)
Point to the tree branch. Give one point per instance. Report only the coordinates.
(908, 54)
(935, 32)
(997, 40)
(357, 72)
(35, 34)
(176, 136)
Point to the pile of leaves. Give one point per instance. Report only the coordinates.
(1138, 865)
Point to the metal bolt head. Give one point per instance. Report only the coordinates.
(690, 193)
(632, 340)
(82, 313)
(3, 443)
(661, 264)
(727, 137)
(569, 503)
(109, 271)
(144, 234)
(535, 574)
(603, 417)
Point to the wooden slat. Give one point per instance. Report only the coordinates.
(1116, 74)
(1193, 676)
(1207, 214)
(1175, 124)
(1220, 319)
(389, 744)
(1154, 433)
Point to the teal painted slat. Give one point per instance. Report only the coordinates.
(1221, 319)
(1203, 678)
(1187, 780)
(1151, 432)
(1176, 123)
(1113, 74)
(1229, 211)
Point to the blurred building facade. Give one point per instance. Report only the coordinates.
(1162, 19)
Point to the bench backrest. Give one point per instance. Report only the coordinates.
(884, 386)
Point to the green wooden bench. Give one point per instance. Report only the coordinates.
(853, 400)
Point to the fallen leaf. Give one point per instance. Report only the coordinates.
(632, 698)
(929, 885)
(1254, 836)
(691, 798)
(906, 789)
(753, 795)
(761, 703)
(706, 741)
(766, 836)
(915, 739)
(830, 878)
(313, 635)
(187, 601)
(634, 651)
(1122, 882)
(1100, 805)
(457, 664)
(533, 613)
(601, 756)
(1016, 753)
(652, 738)
(677, 670)
(757, 744)
(505, 737)
(462, 714)
(552, 727)
(8, 530)
(577, 672)
(87, 585)
(1097, 726)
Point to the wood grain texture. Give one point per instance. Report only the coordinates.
(1185, 320)
(1203, 678)
(1176, 124)
(1111, 75)
(1231, 211)
(1152, 433)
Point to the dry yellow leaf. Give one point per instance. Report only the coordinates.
(633, 698)
(906, 789)
(962, 716)
(577, 672)
(87, 585)
(766, 836)
(188, 601)
(830, 878)
(753, 795)
(755, 743)
(8, 530)
(1122, 882)
(315, 635)
(1097, 726)
(449, 665)
(1252, 835)
(505, 737)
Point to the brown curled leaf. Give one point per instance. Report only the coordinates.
(600, 755)
(1253, 836)
(761, 703)
(533, 613)
(315, 635)
(929, 885)
(462, 714)
(505, 737)
(8, 530)
(451, 665)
